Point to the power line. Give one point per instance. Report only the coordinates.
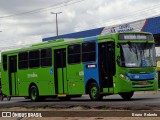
(122, 17)
(112, 21)
(27, 45)
(51, 7)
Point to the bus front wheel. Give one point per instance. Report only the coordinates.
(126, 95)
(94, 92)
(34, 94)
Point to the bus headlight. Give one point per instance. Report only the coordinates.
(121, 75)
(124, 77)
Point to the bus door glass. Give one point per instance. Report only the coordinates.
(13, 82)
(106, 65)
(60, 70)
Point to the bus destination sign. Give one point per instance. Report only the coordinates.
(135, 37)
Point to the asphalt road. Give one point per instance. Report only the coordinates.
(140, 101)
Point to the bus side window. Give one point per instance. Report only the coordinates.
(23, 60)
(46, 57)
(4, 58)
(88, 51)
(34, 59)
(74, 54)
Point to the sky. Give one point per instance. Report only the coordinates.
(25, 22)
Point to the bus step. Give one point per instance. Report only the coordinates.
(62, 95)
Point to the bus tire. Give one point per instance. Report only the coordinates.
(94, 93)
(34, 94)
(127, 95)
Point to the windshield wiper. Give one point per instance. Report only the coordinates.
(133, 48)
(136, 53)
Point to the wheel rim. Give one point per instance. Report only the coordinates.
(33, 94)
(94, 92)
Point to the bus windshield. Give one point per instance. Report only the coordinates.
(137, 54)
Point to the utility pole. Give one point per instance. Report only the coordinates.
(56, 20)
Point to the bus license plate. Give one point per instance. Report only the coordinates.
(143, 82)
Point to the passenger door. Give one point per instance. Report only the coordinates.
(60, 71)
(13, 82)
(106, 65)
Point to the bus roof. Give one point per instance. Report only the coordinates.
(60, 42)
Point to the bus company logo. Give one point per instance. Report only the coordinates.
(81, 73)
(33, 75)
(21, 115)
(51, 71)
(121, 28)
(136, 76)
(6, 114)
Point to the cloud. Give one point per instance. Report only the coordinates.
(83, 15)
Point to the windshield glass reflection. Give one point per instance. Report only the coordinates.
(137, 55)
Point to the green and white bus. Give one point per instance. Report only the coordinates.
(119, 63)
